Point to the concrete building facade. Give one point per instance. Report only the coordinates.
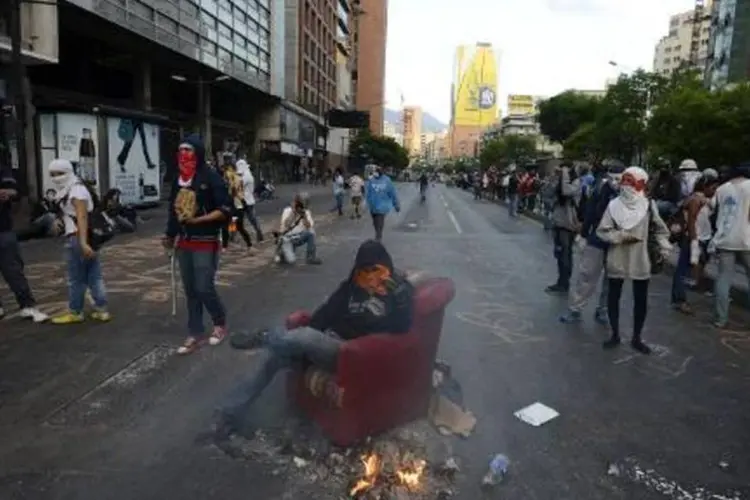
(370, 34)
(673, 51)
(412, 120)
(729, 44)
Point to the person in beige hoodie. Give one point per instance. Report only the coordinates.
(626, 225)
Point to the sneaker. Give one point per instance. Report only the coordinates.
(190, 345)
(33, 314)
(314, 261)
(556, 289)
(601, 317)
(218, 335)
(68, 318)
(684, 308)
(571, 317)
(102, 316)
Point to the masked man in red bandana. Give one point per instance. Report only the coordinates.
(199, 205)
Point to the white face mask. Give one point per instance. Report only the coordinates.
(61, 181)
(629, 193)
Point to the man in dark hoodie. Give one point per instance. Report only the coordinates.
(199, 205)
(592, 257)
(373, 299)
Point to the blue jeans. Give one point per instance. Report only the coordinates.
(681, 273)
(198, 271)
(563, 239)
(339, 202)
(83, 274)
(305, 238)
(513, 204)
(727, 261)
(284, 350)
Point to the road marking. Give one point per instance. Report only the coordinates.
(454, 221)
(101, 397)
(652, 480)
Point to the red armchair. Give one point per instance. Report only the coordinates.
(382, 380)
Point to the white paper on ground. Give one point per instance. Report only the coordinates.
(536, 414)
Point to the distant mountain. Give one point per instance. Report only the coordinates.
(429, 122)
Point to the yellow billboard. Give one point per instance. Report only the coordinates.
(475, 86)
(521, 104)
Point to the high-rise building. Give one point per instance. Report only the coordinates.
(523, 105)
(393, 131)
(473, 97)
(371, 25)
(675, 50)
(412, 117)
(729, 44)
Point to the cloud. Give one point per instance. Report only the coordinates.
(591, 7)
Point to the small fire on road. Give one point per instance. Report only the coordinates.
(406, 474)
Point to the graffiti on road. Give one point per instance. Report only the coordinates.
(505, 322)
(662, 363)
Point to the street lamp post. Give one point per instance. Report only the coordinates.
(204, 103)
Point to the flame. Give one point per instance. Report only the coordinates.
(372, 469)
(411, 477)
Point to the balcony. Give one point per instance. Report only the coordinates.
(39, 36)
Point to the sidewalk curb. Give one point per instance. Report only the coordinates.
(738, 296)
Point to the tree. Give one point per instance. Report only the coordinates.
(508, 149)
(584, 144)
(561, 115)
(381, 150)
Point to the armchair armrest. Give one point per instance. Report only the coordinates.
(378, 360)
(298, 319)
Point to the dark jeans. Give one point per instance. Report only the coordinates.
(11, 267)
(640, 305)
(563, 240)
(339, 203)
(122, 158)
(378, 221)
(284, 350)
(250, 212)
(681, 272)
(198, 271)
(240, 225)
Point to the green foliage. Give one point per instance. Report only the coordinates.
(561, 115)
(508, 149)
(381, 150)
(645, 115)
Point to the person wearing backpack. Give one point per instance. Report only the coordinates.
(78, 211)
(199, 205)
(592, 258)
(565, 226)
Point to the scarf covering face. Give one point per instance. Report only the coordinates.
(66, 178)
(373, 270)
(187, 162)
(631, 206)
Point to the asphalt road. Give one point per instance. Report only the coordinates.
(108, 411)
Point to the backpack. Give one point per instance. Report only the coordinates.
(101, 228)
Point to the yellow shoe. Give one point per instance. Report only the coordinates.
(67, 318)
(102, 316)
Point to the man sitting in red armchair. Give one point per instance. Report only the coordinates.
(374, 299)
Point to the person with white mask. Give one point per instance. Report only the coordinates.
(82, 261)
(248, 186)
(11, 262)
(629, 222)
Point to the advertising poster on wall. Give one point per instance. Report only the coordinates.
(72, 137)
(133, 160)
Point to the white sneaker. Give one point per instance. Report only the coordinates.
(33, 314)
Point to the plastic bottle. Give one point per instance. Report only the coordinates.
(497, 470)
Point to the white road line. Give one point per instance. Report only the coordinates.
(454, 221)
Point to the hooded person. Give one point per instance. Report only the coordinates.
(233, 181)
(248, 195)
(374, 298)
(76, 203)
(628, 223)
(199, 205)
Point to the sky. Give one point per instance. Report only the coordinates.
(545, 46)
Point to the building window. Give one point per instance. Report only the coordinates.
(209, 6)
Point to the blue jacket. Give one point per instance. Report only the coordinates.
(380, 195)
(594, 211)
(211, 193)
